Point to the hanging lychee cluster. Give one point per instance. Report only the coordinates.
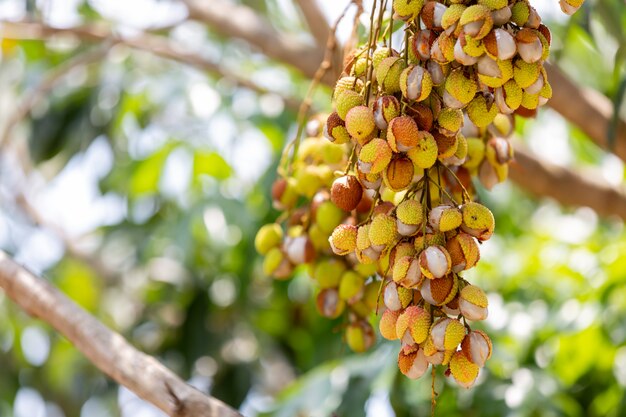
(387, 205)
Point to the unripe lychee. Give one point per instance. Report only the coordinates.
(346, 101)
(329, 304)
(360, 336)
(473, 303)
(482, 110)
(395, 297)
(439, 291)
(464, 252)
(438, 72)
(327, 272)
(284, 195)
(444, 218)
(269, 236)
(422, 42)
(374, 156)
(406, 272)
(413, 364)
(525, 74)
(460, 55)
(500, 44)
(459, 89)
(299, 249)
(402, 134)
(410, 215)
(364, 250)
(413, 325)
(501, 16)
(477, 347)
(450, 121)
(351, 286)
(328, 216)
(450, 19)
(276, 264)
(508, 97)
(347, 83)
(475, 153)
(570, 7)
(446, 145)
(335, 129)
(385, 109)
(346, 192)
(447, 333)
(415, 83)
(432, 15)
(360, 124)
(494, 73)
(343, 239)
(382, 231)
(424, 154)
(399, 174)
(442, 50)
(388, 74)
(407, 9)
(387, 325)
(476, 21)
(529, 46)
(435, 262)
(463, 371)
(520, 12)
(478, 220)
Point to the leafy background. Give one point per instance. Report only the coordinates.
(161, 173)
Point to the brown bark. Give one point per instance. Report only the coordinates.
(109, 351)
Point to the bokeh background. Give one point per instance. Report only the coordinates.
(137, 184)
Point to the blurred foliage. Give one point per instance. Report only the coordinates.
(186, 161)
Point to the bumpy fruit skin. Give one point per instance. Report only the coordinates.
(343, 239)
(360, 123)
(416, 322)
(402, 134)
(412, 364)
(388, 74)
(477, 347)
(450, 121)
(387, 324)
(463, 371)
(375, 156)
(407, 9)
(459, 89)
(447, 333)
(335, 129)
(385, 109)
(399, 174)
(473, 303)
(435, 262)
(269, 236)
(346, 101)
(415, 83)
(410, 215)
(444, 218)
(464, 252)
(481, 111)
(424, 154)
(478, 221)
(439, 291)
(382, 231)
(346, 192)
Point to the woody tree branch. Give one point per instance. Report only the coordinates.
(316, 21)
(108, 350)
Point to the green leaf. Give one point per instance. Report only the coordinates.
(145, 179)
(212, 164)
